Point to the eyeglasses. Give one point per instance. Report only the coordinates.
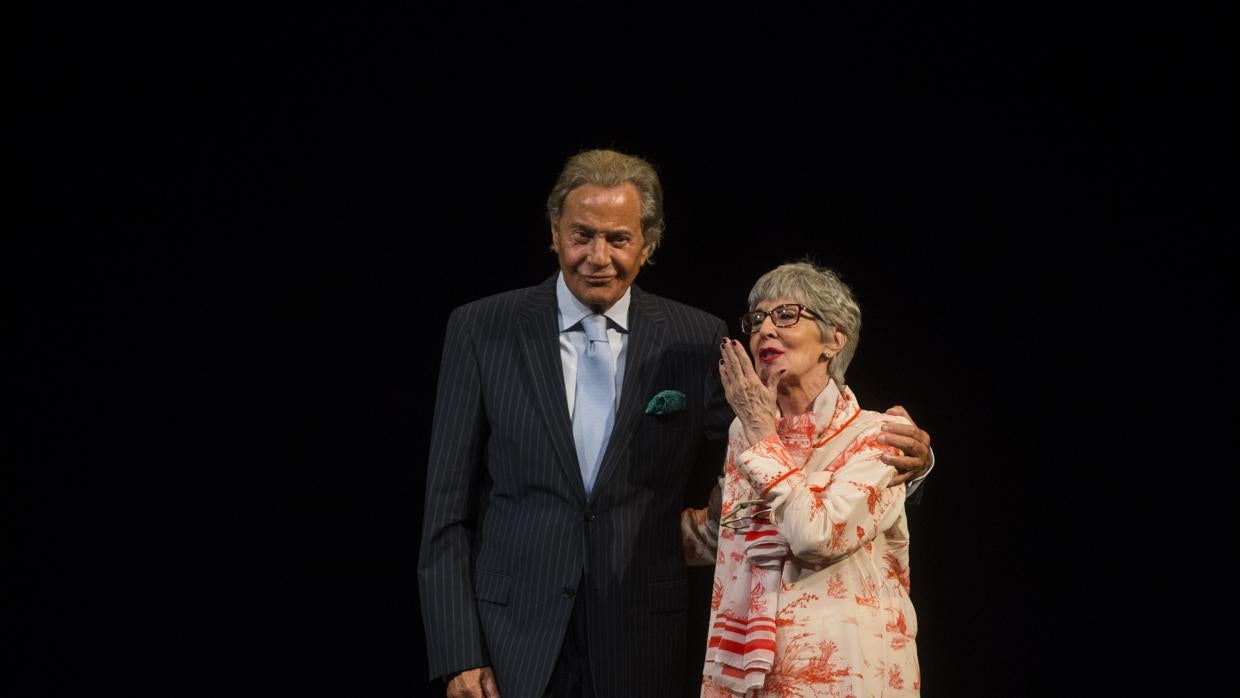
(785, 315)
(737, 519)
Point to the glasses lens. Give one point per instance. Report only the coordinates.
(786, 315)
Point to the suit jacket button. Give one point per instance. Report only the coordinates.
(589, 516)
(568, 592)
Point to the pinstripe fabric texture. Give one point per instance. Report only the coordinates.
(510, 540)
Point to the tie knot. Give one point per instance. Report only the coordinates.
(595, 327)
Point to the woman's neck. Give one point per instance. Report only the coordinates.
(795, 399)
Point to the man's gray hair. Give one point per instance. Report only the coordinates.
(608, 168)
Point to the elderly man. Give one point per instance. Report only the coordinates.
(567, 420)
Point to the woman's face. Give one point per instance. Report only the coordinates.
(798, 349)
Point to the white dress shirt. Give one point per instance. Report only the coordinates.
(573, 339)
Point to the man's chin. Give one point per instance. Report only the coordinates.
(604, 294)
(599, 300)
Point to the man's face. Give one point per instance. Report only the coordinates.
(600, 243)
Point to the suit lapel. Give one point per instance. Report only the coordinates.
(540, 346)
(646, 340)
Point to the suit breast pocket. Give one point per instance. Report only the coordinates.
(663, 439)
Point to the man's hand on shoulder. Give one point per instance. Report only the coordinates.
(912, 442)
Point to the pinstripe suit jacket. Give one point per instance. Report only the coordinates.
(510, 540)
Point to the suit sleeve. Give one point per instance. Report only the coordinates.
(718, 413)
(915, 487)
(455, 470)
(699, 535)
(699, 532)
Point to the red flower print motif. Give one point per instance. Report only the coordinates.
(867, 443)
(898, 626)
(837, 537)
(872, 495)
(869, 597)
(835, 587)
(799, 602)
(896, 571)
(757, 598)
(806, 667)
(816, 507)
(894, 679)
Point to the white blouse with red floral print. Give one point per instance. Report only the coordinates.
(844, 623)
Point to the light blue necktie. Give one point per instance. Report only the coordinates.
(594, 407)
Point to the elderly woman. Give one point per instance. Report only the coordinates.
(811, 574)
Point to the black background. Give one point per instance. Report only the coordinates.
(240, 236)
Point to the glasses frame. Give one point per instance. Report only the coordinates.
(801, 310)
(737, 520)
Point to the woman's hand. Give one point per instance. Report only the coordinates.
(752, 400)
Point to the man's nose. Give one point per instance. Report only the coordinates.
(600, 252)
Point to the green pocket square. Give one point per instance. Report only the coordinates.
(666, 402)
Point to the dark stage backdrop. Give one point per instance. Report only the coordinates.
(246, 234)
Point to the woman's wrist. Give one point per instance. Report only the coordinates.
(759, 432)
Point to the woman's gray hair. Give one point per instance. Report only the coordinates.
(821, 291)
(608, 168)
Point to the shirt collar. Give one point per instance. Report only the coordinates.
(572, 310)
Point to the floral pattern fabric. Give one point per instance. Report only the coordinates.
(844, 625)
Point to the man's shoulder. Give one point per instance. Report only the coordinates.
(501, 303)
